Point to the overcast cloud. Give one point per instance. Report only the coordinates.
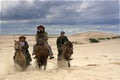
(70, 16)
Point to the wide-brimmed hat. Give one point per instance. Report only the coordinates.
(22, 37)
(41, 26)
(62, 32)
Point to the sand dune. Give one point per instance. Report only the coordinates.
(85, 36)
(93, 34)
(99, 61)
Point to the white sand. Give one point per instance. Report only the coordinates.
(99, 61)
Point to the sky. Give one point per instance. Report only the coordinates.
(71, 16)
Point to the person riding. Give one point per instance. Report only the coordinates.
(41, 31)
(25, 46)
(61, 40)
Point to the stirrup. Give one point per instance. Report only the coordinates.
(51, 57)
(34, 57)
(71, 59)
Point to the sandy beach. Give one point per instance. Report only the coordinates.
(96, 61)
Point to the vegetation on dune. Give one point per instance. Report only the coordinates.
(101, 38)
(93, 40)
(115, 37)
(108, 38)
(75, 42)
(96, 40)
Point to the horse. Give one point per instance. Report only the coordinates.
(67, 51)
(20, 58)
(41, 54)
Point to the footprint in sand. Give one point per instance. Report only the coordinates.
(86, 58)
(116, 63)
(117, 59)
(104, 56)
(92, 65)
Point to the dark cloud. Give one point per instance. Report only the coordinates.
(24, 11)
(61, 13)
(101, 12)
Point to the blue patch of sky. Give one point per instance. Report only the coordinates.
(56, 29)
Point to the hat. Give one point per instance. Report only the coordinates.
(22, 37)
(62, 32)
(41, 26)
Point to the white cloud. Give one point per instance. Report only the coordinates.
(7, 4)
(84, 5)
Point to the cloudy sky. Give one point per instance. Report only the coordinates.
(71, 16)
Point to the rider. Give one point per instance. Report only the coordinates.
(62, 39)
(25, 46)
(41, 30)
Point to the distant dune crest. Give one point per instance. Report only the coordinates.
(95, 34)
